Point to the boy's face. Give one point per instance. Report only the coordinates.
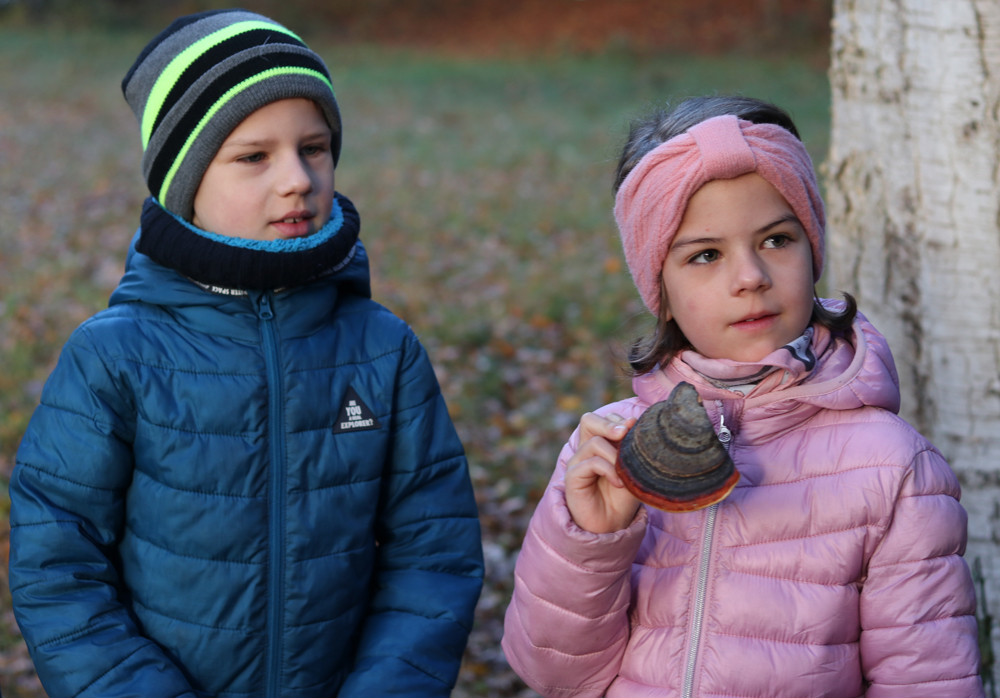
(272, 179)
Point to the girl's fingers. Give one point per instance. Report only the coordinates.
(612, 427)
(600, 436)
(596, 497)
(585, 473)
(596, 447)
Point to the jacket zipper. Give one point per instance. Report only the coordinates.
(725, 436)
(275, 499)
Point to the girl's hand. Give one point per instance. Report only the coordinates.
(596, 496)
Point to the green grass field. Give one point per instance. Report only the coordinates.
(484, 188)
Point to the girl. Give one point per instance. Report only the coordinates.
(833, 569)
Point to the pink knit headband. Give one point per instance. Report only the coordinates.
(651, 201)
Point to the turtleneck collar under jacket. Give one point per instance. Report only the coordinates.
(227, 264)
(299, 308)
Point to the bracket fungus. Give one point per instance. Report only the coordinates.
(672, 459)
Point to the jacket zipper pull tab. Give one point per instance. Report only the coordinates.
(264, 308)
(725, 436)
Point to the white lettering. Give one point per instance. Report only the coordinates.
(356, 424)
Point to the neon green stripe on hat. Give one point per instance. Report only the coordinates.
(180, 63)
(162, 195)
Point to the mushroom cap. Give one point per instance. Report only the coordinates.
(672, 459)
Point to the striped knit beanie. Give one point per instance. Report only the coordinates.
(199, 78)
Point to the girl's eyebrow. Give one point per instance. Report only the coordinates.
(696, 241)
(788, 217)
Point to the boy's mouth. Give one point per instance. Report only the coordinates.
(294, 224)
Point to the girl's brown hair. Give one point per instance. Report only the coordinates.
(659, 126)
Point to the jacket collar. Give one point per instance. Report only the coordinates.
(299, 311)
(853, 371)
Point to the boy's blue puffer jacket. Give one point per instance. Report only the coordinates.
(187, 521)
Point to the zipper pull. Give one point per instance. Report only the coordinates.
(264, 308)
(725, 436)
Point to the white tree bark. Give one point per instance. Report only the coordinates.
(914, 234)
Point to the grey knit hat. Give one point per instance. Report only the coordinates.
(199, 78)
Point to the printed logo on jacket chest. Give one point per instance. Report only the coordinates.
(354, 414)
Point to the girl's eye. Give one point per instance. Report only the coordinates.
(704, 257)
(777, 241)
(252, 157)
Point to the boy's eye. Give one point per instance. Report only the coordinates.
(252, 157)
(704, 257)
(313, 149)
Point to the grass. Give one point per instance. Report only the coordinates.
(484, 190)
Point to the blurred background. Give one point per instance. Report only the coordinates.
(480, 144)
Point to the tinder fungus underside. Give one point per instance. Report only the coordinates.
(672, 459)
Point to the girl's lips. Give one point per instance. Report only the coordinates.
(761, 322)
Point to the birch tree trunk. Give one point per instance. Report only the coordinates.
(914, 208)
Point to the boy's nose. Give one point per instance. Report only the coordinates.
(296, 177)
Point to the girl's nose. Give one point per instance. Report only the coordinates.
(750, 274)
(296, 177)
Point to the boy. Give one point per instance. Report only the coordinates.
(242, 479)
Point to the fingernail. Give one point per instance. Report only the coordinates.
(619, 429)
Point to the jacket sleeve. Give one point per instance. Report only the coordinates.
(67, 515)
(430, 560)
(918, 625)
(567, 625)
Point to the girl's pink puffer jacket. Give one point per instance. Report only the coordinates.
(832, 570)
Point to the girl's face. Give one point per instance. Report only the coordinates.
(738, 275)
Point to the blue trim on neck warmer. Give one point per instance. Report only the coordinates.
(331, 228)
